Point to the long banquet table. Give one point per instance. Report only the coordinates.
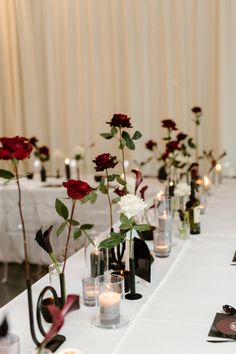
(177, 309)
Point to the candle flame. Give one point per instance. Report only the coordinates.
(206, 181)
(218, 167)
(67, 161)
(160, 195)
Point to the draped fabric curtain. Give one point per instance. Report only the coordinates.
(67, 65)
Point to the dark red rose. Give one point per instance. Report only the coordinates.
(181, 136)
(169, 123)
(120, 192)
(196, 110)
(151, 145)
(173, 145)
(18, 147)
(120, 120)
(105, 161)
(33, 141)
(165, 155)
(77, 189)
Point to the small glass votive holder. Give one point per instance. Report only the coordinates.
(126, 275)
(109, 301)
(89, 291)
(10, 344)
(162, 243)
(43, 351)
(54, 276)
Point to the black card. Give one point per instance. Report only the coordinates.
(234, 258)
(214, 332)
(143, 259)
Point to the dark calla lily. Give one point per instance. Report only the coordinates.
(58, 315)
(120, 192)
(138, 179)
(43, 239)
(142, 192)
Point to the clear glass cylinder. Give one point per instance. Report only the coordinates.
(10, 344)
(54, 276)
(162, 243)
(43, 351)
(89, 291)
(110, 301)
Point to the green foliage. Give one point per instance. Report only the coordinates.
(61, 228)
(6, 174)
(77, 233)
(137, 135)
(128, 141)
(107, 135)
(143, 227)
(61, 209)
(120, 181)
(113, 241)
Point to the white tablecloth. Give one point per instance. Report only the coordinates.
(177, 309)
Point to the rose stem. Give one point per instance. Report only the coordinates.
(123, 156)
(68, 236)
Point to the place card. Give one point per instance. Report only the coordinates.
(223, 326)
(234, 257)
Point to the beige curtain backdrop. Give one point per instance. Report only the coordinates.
(67, 65)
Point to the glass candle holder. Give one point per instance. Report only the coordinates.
(10, 344)
(71, 351)
(162, 243)
(109, 301)
(54, 276)
(96, 263)
(89, 291)
(43, 351)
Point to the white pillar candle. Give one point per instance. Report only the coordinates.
(164, 222)
(109, 303)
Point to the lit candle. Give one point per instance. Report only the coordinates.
(109, 303)
(163, 248)
(206, 182)
(97, 263)
(67, 167)
(90, 291)
(218, 171)
(58, 155)
(162, 244)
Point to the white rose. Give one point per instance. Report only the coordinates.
(131, 205)
(182, 189)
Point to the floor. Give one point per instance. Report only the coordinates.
(15, 283)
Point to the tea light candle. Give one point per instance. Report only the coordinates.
(109, 303)
(97, 263)
(90, 291)
(162, 248)
(67, 168)
(164, 222)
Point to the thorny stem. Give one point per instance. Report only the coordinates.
(27, 270)
(68, 236)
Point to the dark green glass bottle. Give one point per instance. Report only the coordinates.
(193, 208)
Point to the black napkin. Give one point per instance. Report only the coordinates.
(234, 257)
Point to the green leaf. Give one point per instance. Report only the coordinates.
(191, 143)
(142, 227)
(137, 135)
(103, 189)
(61, 209)
(61, 228)
(124, 227)
(114, 131)
(125, 220)
(129, 142)
(111, 178)
(106, 135)
(93, 197)
(6, 174)
(112, 241)
(77, 234)
(115, 200)
(120, 181)
(86, 226)
(73, 222)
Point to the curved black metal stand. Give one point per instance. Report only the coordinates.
(132, 295)
(58, 339)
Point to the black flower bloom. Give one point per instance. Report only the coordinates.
(43, 239)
